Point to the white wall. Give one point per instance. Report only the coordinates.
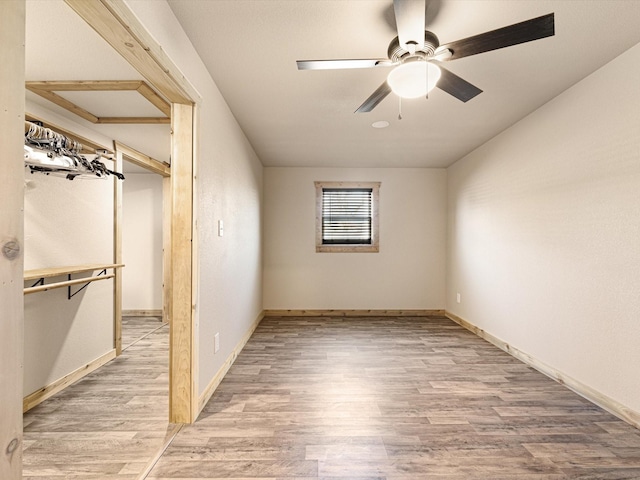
(544, 233)
(66, 223)
(407, 273)
(142, 242)
(229, 188)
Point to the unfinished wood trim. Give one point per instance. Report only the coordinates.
(85, 85)
(58, 271)
(609, 404)
(114, 21)
(12, 99)
(182, 373)
(374, 247)
(194, 264)
(48, 391)
(353, 313)
(117, 254)
(46, 90)
(64, 103)
(133, 120)
(140, 159)
(167, 277)
(142, 313)
(89, 146)
(219, 376)
(150, 94)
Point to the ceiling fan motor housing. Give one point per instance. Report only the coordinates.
(398, 54)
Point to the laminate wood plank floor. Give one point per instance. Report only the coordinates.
(111, 423)
(393, 399)
(136, 328)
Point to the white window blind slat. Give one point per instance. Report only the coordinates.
(346, 216)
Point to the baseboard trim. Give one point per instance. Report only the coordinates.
(48, 391)
(609, 404)
(215, 381)
(353, 313)
(142, 313)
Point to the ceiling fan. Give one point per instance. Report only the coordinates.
(416, 55)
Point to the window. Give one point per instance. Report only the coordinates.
(347, 216)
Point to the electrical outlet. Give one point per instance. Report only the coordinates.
(216, 343)
(457, 297)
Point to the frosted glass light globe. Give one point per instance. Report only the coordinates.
(414, 79)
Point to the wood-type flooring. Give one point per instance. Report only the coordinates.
(377, 399)
(111, 423)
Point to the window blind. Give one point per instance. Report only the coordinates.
(346, 216)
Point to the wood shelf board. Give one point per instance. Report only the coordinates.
(58, 271)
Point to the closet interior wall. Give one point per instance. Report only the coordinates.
(67, 223)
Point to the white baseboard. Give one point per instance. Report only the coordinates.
(609, 404)
(48, 391)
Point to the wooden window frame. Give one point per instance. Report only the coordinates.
(374, 247)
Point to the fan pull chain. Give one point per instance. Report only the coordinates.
(399, 108)
(427, 80)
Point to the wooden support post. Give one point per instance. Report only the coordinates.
(12, 94)
(117, 255)
(182, 374)
(166, 250)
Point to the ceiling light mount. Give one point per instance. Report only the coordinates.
(396, 53)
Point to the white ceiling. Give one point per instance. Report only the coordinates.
(305, 118)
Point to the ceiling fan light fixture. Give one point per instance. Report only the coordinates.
(413, 79)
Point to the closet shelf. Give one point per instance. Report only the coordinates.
(42, 273)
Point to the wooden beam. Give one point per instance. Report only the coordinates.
(114, 21)
(12, 94)
(150, 94)
(46, 90)
(85, 85)
(134, 120)
(182, 375)
(66, 104)
(166, 250)
(138, 158)
(117, 254)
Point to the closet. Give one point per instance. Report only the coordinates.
(73, 189)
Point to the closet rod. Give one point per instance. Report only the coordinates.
(89, 146)
(66, 283)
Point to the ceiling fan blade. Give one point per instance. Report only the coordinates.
(527, 31)
(410, 23)
(376, 97)
(456, 86)
(343, 64)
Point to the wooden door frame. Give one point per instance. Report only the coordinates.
(12, 99)
(124, 152)
(114, 21)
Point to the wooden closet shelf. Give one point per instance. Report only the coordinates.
(57, 271)
(42, 273)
